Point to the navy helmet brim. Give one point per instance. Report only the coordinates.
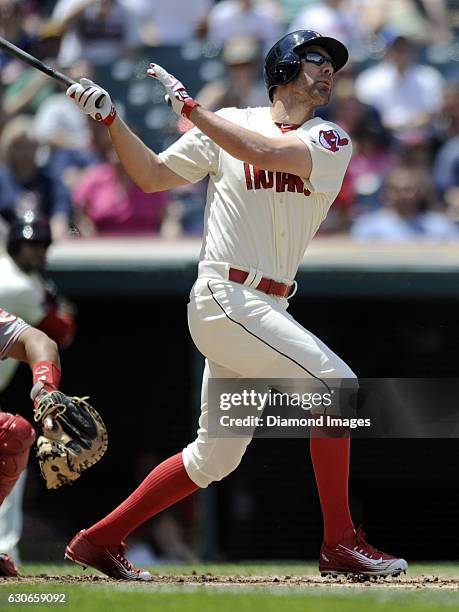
(334, 47)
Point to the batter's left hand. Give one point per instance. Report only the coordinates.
(176, 94)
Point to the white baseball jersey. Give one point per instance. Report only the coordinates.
(256, 219)
(11, 327)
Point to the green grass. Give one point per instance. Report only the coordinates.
(95, 597)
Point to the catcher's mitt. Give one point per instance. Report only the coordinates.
(73, 437)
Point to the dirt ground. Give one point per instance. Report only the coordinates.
(400, 582)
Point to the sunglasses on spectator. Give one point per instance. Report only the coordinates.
(315, 57)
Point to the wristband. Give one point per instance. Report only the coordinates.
(48, 374)
(109, 119)
(188, 106)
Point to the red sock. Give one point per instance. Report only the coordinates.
(167, 484)
(330, 458)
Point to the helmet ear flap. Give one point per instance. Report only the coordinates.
(283, 72)
(286, 70)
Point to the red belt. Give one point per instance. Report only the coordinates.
(267, 285)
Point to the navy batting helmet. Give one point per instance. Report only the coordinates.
(283, 60)
(29, 228)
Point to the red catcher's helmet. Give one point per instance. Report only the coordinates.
(283, 60)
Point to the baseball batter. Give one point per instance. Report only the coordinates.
(274, 173)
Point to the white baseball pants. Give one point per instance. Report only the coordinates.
(245, 333)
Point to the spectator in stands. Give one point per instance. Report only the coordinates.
(31, 87)
(260, 19)
(241, 85)
(108, 202)
(373, 150)
(337, 18)
(57, 125)
(406, 94)
(45, 7)
(26, 186)
(169, 22)
(348, 111)
(372, 159)
(447, 121)
(66, 134)
(99, 31)
(3, 113)
(425, 21)
(407, 213)
(446, 175)
(291, 8)
(446, 164)
(11, 28)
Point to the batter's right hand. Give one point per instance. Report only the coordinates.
(87, 94)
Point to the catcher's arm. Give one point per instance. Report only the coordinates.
(73, 435)
(41, 353)
(33, 346)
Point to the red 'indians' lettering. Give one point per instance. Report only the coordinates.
(262, 179)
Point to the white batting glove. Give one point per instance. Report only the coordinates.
(93, 100)
(176, 94)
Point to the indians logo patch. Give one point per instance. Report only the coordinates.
(331, 140)
(6, 317)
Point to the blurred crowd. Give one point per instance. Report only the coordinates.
(398, 98)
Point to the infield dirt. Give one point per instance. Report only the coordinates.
(210, 579)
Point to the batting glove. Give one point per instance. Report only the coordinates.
(176, 94)
(93, 100)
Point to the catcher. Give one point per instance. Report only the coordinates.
(72, 435)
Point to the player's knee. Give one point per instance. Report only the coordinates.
(340, 398)
(16, 434)
(207, 462)
(16, 437)
(341, 371)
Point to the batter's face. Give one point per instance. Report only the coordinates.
(314, 83)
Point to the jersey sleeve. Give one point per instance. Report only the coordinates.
(193, 156)
(331, 149)
(11, 327)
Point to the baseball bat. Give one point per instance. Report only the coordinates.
(36, 63)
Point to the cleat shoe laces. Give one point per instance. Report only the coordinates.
(110, 560)
(355, 556)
